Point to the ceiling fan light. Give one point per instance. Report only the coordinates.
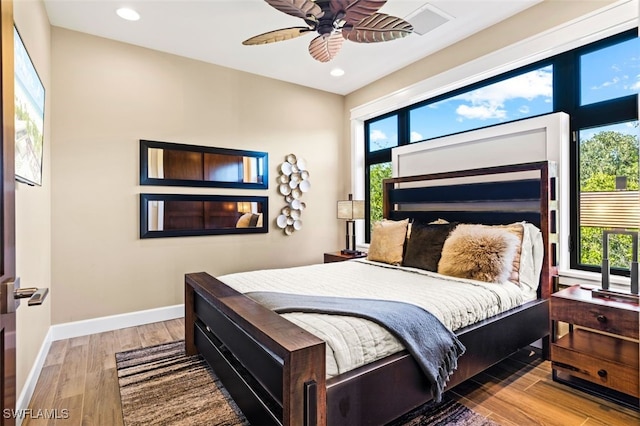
(128, 14)
(337, 72)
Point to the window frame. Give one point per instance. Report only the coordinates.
(607, 112)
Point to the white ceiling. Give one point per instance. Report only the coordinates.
(213, 30)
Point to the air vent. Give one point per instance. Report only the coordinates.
(427, 18)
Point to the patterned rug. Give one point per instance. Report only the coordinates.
(160, 385)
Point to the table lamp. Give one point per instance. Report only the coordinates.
(618, 212)
(351, 210)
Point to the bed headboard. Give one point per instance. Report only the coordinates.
(492, 196)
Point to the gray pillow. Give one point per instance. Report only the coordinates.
(253, 222)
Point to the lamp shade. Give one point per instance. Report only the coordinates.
(610, 209)
(245, 207)
(351, 209)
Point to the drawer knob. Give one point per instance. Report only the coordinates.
(602, 373)
(601, 318)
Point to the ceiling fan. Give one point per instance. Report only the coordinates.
(335, 21)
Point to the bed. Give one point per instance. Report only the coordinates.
(277, 371)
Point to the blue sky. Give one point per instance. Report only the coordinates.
(606, 74)
(628, 128)
(610, 73)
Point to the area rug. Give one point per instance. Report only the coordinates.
(160, 385)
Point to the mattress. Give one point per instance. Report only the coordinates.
(353, 342)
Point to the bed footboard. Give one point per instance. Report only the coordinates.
(272, 368)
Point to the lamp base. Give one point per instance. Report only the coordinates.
(351, 252)
(617, 296)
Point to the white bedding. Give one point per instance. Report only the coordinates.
(353, 342)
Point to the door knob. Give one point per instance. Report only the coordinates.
(36, 295)
(14, 293)
(22, 293)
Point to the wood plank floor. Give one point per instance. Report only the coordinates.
(79, 375)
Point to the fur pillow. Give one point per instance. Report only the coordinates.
(387, 241)
(424, 245)
(516, 229)
(478, 252)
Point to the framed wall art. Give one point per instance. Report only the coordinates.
(172, 164)
(29, 116)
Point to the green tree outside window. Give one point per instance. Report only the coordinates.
(603, 156)
(377, 173)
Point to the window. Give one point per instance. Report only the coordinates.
(521, 96)
(605, 129)
(597, 85)
(608, 188)
(609, 73)
(383, 134)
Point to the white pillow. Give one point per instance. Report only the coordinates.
(531, 260)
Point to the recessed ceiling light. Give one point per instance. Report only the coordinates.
(128, 14)
(337, 72)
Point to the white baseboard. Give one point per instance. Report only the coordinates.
(84, 328)
(22, 403)
(115, 322)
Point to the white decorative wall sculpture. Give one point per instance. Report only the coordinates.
(293, 182)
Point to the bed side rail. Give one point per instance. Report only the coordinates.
(302, 354)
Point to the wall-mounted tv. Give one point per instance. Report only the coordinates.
(29, 121)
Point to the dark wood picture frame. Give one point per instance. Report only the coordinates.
(203, 166)
(196, 217)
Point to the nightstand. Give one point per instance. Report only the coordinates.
(339, 257)
(599, 353)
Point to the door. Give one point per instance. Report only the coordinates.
(7, 217)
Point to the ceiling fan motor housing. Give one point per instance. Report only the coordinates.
(328, 21)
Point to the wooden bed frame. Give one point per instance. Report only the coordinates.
(275, 371)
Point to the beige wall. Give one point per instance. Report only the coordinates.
(33, 212)
(106, 96)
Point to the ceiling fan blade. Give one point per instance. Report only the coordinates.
(298, 8)
(325, 47)
(277, 35)
(356, 10)
(377, 27)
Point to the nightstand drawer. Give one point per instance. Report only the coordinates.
(598, 317)
(599, 359)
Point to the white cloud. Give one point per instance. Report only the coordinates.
(415, 136)
(612, 82)
(524, 109)
(481, 112)
(377, 135)
(489, 102)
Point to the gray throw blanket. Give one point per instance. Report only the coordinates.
(433, 346)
